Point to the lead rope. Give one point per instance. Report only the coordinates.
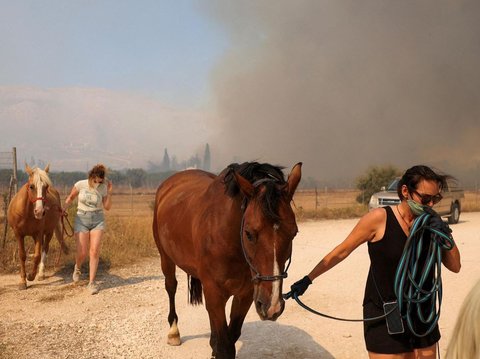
(64, 232)
(304, 306)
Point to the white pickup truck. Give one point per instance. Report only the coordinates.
(450, 206)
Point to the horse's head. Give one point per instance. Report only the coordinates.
(37, 187)
(267, 230)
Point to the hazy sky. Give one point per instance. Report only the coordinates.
(165, 49)
(338, 84)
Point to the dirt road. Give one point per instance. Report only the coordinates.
(127, 319)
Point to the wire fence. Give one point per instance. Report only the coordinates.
(131, 202)
(8, 165)
(139, 202)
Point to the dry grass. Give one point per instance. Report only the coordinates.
(129, 238)
(138, 204)
(126, 240)
(354, 211)
(310, 204)
(472, 201)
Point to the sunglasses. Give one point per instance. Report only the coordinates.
(425, 199)
(98, 180)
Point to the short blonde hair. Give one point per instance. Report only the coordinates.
(465, 341)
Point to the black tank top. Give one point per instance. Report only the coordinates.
(384, 257)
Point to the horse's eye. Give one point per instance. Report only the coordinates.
(32, 186)
(250, 236)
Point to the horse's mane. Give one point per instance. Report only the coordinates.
(42, 176)
(273, 180)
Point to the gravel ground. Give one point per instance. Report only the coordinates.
(127, 319)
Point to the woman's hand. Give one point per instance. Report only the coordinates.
(300, 286)
(109, 187)
(107, 200)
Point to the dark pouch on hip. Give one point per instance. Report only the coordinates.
(393, 318)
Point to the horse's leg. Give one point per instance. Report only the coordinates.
(168, 269)
(240, 306)
(23, 257)
(43, 259)
(36, 257)
(222, 345)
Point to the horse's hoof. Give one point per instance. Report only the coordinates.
(31, 277)
(174, 340)
(22, 286)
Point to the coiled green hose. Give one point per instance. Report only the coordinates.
(417, 271)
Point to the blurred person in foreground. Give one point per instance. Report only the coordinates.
(386, 231)
(94, 195)
(465, 341)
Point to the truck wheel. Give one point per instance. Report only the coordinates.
(455, 214)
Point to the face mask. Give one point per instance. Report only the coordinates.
(416, 208)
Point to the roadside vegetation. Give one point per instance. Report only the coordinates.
(353, 211)
(373, 180)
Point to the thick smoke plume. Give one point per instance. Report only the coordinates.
(343, 85)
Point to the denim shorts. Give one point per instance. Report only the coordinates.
(89, 221)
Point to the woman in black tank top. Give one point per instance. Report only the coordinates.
(386, 231)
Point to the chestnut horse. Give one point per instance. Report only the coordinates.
(35, 211)
(232, 234)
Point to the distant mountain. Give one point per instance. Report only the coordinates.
(74, 128)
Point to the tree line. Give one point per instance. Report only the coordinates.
(132, 177)
(172, 164)
(368, 183)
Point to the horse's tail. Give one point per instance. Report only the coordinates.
(156, 236)
(195, 290)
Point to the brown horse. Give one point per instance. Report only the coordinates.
(35, 211)
(232, 234)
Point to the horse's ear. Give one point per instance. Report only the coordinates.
(47, 168)
(294, 178)
(28, 169)
(245, 186)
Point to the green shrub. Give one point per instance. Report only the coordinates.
(375, 178)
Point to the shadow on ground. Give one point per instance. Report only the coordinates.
(274, 340)
(260, 340)
(104, 277)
